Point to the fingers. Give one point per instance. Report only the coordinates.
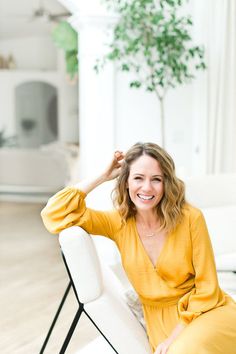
(161, 349)
(119, 155)
(118, 158)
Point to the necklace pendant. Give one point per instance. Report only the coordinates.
(150, 235)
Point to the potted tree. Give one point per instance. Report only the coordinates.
(66, 38)
(153, 40)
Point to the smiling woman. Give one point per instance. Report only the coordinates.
(145, 182)
(149, 167)
(165, 249)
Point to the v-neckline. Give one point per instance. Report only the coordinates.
(157, 262)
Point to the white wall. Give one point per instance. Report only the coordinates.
(138, 119)
(69, 124)
(31, 53)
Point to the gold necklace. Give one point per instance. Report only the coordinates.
(151, 233)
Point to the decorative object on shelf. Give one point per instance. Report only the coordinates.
(7, 62)
(3, 64)
(28, 124)
(66, 37)
(152, 39)
(11, 63)
(6, 140)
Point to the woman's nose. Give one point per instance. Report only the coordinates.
(147, 185)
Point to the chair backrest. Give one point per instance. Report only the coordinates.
(102, 294)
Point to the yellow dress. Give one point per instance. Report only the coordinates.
(181, 288)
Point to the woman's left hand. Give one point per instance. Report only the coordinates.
(163, 346)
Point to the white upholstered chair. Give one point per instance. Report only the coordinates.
(100, 294)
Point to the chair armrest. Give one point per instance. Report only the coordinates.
(102, 294)
(82, 260)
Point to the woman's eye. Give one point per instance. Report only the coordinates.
(157, 179)
(137, 177)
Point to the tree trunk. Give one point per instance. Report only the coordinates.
(162, 122)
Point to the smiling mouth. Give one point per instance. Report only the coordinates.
(145, 197)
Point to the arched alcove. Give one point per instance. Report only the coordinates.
(36, 114)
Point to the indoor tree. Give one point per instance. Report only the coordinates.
(153, 40)
(66, 38)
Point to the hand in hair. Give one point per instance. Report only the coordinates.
(113, 169)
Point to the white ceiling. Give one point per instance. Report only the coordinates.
(17, 20)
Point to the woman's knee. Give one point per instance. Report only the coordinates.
(186, 344)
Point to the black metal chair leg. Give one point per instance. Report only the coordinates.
(77, 316)
(55, 318)
(100, 332)
(72, 328)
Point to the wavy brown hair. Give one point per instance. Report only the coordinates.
(170, 208)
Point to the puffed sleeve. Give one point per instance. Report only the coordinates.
(68, 208)
(206, 294)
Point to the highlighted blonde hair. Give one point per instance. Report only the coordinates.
(170, 208)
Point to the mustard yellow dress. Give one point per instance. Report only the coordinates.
(181, 288)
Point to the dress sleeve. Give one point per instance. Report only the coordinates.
(68, 208)
(206, 294)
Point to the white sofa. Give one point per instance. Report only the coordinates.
(32, 172)
(215, 195)
(103, 295)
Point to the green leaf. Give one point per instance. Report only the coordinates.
(156, 18)
(135, 84)
(150, 88)
(125, 67)
(114, 54)
(65, 36)
(71, 62)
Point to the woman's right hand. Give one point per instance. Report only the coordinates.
(113, 169)
(111, 172)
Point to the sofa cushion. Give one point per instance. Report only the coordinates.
(227, 281)
(98, 345)
(211, 190)
(30, 170)
(135, 306)
(226, 262)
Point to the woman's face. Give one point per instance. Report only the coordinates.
(145, 183)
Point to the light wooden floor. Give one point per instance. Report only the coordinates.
(33, 280)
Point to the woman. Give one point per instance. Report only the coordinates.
(165, 249)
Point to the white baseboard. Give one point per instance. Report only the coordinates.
(24, 198)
